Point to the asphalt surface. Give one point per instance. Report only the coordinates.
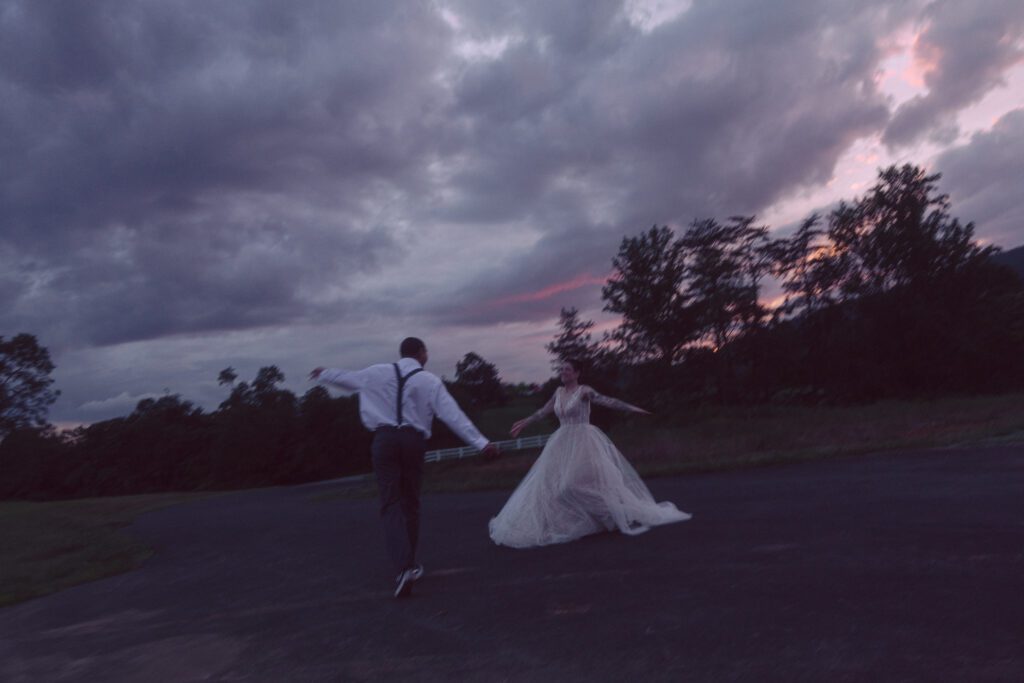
(890, 567)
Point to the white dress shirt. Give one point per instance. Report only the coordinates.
(423, 397)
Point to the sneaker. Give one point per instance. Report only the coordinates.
(404, 587)
(417, 572)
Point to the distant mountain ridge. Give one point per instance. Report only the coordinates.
(1012, 258)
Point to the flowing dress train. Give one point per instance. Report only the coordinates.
(580, 484)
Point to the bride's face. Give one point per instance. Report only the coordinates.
(568, 374)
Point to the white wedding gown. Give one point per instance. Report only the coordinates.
(580, 484)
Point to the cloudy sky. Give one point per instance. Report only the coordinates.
(189, 185)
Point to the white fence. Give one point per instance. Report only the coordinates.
(451, 454)
(504, 446)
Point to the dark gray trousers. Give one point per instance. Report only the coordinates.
(398, 464)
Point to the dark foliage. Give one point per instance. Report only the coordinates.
(25, 393)
(574, 341)
(478, 381)
(895, 298)
(888, 296)
(647, 290)
(260, 435)
(1012, 259)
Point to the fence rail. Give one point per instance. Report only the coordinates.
(519, 444)
(451, 454)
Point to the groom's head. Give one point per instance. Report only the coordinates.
(414, 348)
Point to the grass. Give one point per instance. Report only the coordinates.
(719, 439)
(46, 547)
(741, 438)
(496, 422)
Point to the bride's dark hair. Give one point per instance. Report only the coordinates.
(576, 364)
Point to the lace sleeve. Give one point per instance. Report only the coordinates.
(613, 403)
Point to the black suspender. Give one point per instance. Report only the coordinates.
(401, 388)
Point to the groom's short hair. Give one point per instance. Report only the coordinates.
(411, 347)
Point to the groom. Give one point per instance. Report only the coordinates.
(398, 402)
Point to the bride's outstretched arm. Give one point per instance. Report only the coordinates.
(519, 426)
(614, 403)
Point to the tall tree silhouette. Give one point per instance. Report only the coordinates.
(574, 340)
(25, 393)
(725, 266)
(888, 296)
(227, 376)
(900, 235)
(646, 289)
(479, 380)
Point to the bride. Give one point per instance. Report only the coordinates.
(580, 484)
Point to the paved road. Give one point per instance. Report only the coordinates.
(891, 567)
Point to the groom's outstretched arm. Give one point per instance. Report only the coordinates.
(449, 412)
(345, 379)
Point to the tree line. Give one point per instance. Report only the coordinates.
(261, 434)
(887, 295)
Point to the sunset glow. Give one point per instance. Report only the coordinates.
(551, 290)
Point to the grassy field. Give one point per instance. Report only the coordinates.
(45, 547)
(716, 439)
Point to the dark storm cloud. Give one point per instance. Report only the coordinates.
(983, 179)
(192, 166)
(184, 172)
(597, 133)
(965, 50)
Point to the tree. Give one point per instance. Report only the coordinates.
(227, 376)
(647, 290)
(257, 431)
(333, 440)
(574, 341)
(262, 391)
(725, 266)
(25, 394)
(805, 270)
(900, 235)
(267, 379)
(479, 380)
(888, 297)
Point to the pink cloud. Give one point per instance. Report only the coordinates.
(577, 282)
(927, 57)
